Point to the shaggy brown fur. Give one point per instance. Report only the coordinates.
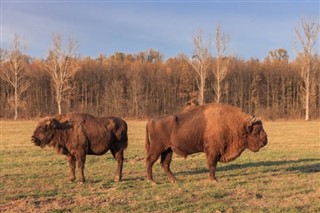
(222, 132)
(77, 135)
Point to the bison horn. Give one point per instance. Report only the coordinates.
(254, 119)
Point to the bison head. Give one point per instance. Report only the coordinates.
(257, 137)
(45, 130)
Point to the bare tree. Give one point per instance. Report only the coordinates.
(13, 71)
(221, 66)
(307, 39)
(200, 62)
(278, 55)
(61, 66)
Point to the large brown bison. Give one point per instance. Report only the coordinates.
(77, 135)
(222, 132)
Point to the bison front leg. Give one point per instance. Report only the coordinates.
(212, 160)
(166, 158)
(81, 159)
(119, 158)
(72, 165)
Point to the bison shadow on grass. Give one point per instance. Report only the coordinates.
(313, 168)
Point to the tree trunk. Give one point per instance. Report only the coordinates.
(16, 102)
(218, 89)
(202, 84)
(58, 97)
(307, 91)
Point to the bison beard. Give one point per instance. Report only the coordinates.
(222, 132)
(77, 135)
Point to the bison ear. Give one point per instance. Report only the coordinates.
(249, 128)
(52, 122)
(49, 121)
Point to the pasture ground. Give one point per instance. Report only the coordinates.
(283, 177)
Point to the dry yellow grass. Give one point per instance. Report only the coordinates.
(282, 177)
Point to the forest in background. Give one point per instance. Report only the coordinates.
(144, 85)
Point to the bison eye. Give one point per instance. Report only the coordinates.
(257, 129)
(44, 129)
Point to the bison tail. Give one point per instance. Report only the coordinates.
(125, 141)
(125, 137)
(147, 142)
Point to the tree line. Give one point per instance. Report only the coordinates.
(144, 85)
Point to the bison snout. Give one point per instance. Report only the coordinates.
(35, 140)
(265, 142)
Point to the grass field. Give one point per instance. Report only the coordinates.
(283, 177)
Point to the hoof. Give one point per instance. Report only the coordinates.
(80, 182)
(173, 180)
(71, 180)
(214, 181)
(152, 182)
(117, 179)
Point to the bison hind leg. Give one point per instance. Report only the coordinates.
(150, 160)
(118, 155)
(119, 158)
(166, 158)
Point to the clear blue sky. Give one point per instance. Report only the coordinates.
(255, 27)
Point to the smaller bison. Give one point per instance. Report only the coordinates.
(222, 132)
(77, 135)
